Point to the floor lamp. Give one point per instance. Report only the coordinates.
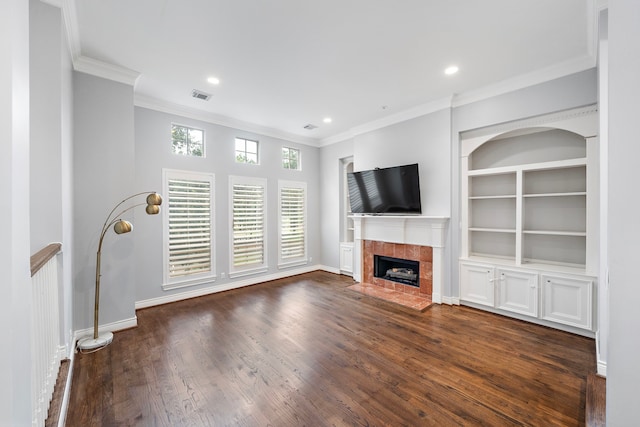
(120, 226)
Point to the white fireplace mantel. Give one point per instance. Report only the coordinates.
(410, 230)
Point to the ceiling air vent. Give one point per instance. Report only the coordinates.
(200, 95)
(310, 127)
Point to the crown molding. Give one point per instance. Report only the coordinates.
(70, 18)
(217, 119)
(402, 116)
(525, 80)
(87, 65)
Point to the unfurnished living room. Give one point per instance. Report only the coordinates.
(336, 213)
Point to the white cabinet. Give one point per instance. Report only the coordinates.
(567, 300)
(346, 258)
(476, 284)
(505, 289)
(529, 212)
(517, 291)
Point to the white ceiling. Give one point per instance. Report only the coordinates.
(283, 64)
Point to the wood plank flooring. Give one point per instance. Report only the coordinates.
(306, 351)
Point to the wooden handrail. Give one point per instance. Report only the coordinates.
(40, 258)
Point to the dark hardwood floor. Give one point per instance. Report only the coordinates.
(307, 351)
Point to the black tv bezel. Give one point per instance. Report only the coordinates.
(373, 212)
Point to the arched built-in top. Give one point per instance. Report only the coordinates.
(579, 121)
(524, 146)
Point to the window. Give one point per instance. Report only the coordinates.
(188, 230)
(292, 241)
(291, 158)
(187, 141)
(246, 151)
(248, 225)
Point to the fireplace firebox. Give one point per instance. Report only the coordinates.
(397, 270)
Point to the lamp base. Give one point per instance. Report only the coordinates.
(90, 343)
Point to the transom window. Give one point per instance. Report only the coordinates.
(246, 151)
(187, 141)
(291, 158)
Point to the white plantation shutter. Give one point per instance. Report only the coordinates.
(189, 226)
(248, 224)
(292, 221)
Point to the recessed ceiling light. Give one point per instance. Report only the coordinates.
(213, 80)
(327, 120)
(451, 70)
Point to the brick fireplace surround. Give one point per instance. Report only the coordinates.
(417, 238)
(422, 254)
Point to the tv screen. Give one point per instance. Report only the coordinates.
(394, 190)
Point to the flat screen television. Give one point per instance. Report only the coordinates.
(394, 190)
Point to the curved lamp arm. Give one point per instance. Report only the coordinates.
(153, 202)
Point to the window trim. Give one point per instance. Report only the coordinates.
(282, 184)
(299, 168)
(254, 268)
(194, 279)
(235, 152)
(204, 151)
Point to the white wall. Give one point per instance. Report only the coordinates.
(15, 305)
(46, 125)
(575, 90)
(623, 369)
(66, 159)
(153, 153)
(602, 340)
(103, 176)
(424, 140)
(51, 144)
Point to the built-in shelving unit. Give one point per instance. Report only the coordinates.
(529, 220)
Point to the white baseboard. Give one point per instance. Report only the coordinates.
(602, 368)
(64, 405)
(109, 327)
(230, 285)
(451, 300)
(329, 269)
(601, 365)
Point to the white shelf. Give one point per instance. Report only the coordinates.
(556, 233)
(493, 230)
(577, 193)
(558, 164)
(506, 196)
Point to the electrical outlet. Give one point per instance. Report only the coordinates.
(310, 259)
(223, 275)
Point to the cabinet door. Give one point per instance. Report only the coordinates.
(518, 291)
(346, 258)
(476, 284)
(567, 300)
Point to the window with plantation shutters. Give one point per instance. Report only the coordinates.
(292, 221)
(248, 225)
(188, 228)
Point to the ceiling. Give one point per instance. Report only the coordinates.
(283, 64)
